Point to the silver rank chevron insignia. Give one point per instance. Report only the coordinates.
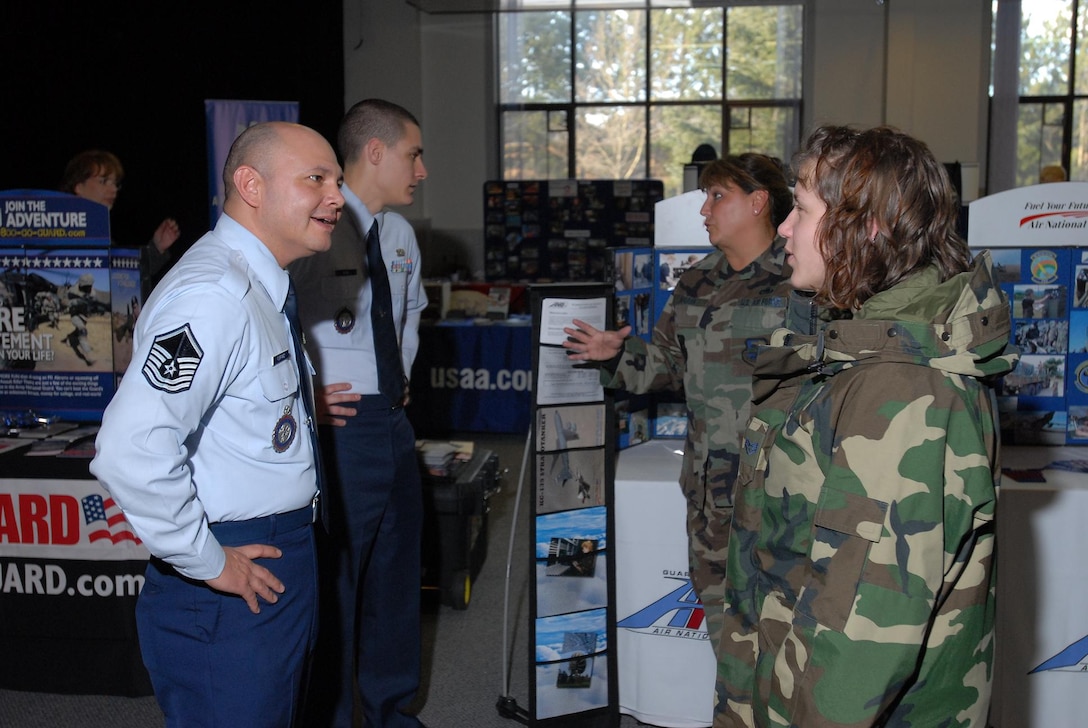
(171, 364)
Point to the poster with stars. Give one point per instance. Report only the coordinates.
(57, 324)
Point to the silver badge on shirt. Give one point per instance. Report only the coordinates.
(345, 320)
(284, 432)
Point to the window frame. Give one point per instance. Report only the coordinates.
(649, 103)
(1067, 101)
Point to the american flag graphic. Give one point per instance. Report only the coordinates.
(115, 528)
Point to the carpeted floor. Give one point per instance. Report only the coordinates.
(468, 664)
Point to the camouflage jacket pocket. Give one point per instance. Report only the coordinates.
(690, 330)
(754, 318)
(845, 526)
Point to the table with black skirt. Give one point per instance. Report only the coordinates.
(70, 572)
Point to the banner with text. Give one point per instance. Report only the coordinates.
(225, 120)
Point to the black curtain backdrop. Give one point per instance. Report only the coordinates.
(131, 77)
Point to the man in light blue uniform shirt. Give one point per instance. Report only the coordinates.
(370, 563)
(206, 448)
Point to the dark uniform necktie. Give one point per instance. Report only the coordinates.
(306, 387)
(386, 347)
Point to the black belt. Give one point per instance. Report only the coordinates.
(372, 402)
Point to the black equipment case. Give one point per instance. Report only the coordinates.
(455, 510)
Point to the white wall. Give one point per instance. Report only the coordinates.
(459, 128)
(938, 75)
(920, 65)
(383, 59)
(844, 64)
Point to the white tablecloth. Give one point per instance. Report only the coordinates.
(1041, 671)
(666, 664)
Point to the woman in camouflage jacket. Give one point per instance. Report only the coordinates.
(704, 343)
(859, 584)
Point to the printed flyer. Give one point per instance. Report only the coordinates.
(57, 326)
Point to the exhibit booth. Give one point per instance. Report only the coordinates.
(70, 568)
(1038, 237)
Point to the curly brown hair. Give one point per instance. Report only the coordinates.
(891, 211)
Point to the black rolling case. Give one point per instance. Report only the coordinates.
(455, 510)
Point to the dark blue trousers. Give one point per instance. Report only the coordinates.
(215, 664)
(369, 638)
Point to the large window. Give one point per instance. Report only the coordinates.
(1052, 119)
(628, 89)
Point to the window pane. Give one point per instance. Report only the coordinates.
(771, 130)
(1082, 49)
(611, 142)
(534, 57)
(675, 132)
(686, 54)
(1045, 32)
(534, 145)
(608, 64)
(1078, 160)
(764, 52)
(1039, 140)
(610, 56)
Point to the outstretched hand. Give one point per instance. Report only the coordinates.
(585, 343)
(247, 579)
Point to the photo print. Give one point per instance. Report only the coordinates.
(558, 592)
(624, 270)
(578, 651)
(570, 479)
(643, 270)
(1006, 263)
(673, 265)
(571, 663)
(67, 314)
(1033, 301)
(572, 557)
(1049, 336)
(562, 428)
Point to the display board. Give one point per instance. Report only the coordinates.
(572, 593)
(68, 305)
(1038, 237)
(224, 120)
(559, 230)
(631, 271)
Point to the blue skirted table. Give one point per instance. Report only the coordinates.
(472, 378)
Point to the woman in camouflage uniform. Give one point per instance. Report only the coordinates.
(860, 570)
(704, 344)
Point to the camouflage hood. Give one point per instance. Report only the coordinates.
(960, 327)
